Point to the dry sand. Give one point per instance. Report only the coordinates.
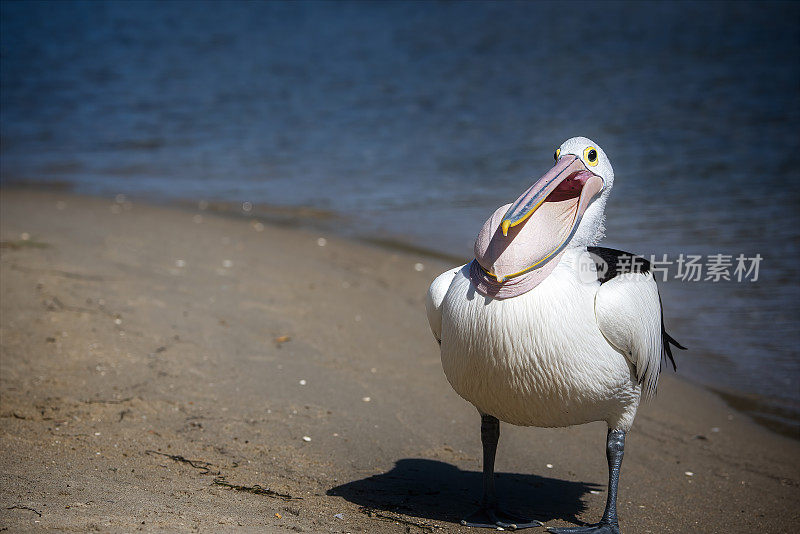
(151, 356)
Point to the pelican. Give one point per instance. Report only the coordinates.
(543, 328)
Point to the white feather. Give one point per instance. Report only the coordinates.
(629, 316)
(433, 301)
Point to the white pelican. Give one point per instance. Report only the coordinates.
(545, 329)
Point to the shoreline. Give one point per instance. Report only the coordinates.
(135, 339)
(775, 416)
(771, 415)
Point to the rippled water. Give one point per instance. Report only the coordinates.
(416, 120)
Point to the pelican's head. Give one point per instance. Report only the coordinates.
(564, 208)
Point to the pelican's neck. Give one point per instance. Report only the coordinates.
(592, 228)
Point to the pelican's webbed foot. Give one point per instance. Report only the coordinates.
(493, 517)
(599, 528)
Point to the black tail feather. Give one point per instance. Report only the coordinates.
(673, 341)
(667, 339)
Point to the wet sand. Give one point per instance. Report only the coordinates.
(170, 369)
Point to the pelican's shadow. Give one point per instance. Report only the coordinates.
(434, 490)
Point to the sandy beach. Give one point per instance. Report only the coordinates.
(169, 369)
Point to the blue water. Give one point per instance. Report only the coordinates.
(414, 121)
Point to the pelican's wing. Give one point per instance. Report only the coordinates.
(433, 302)
(629, 314)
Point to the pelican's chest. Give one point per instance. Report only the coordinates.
(520, 358)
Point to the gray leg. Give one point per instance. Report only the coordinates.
(615, 447)
(489, 515)
(490, 435)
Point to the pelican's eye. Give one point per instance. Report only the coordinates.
(590, 155)
(557, 153)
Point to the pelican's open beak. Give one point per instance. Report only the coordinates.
(569, 179)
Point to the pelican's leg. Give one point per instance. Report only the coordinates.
(489, 515)
(615, 447)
